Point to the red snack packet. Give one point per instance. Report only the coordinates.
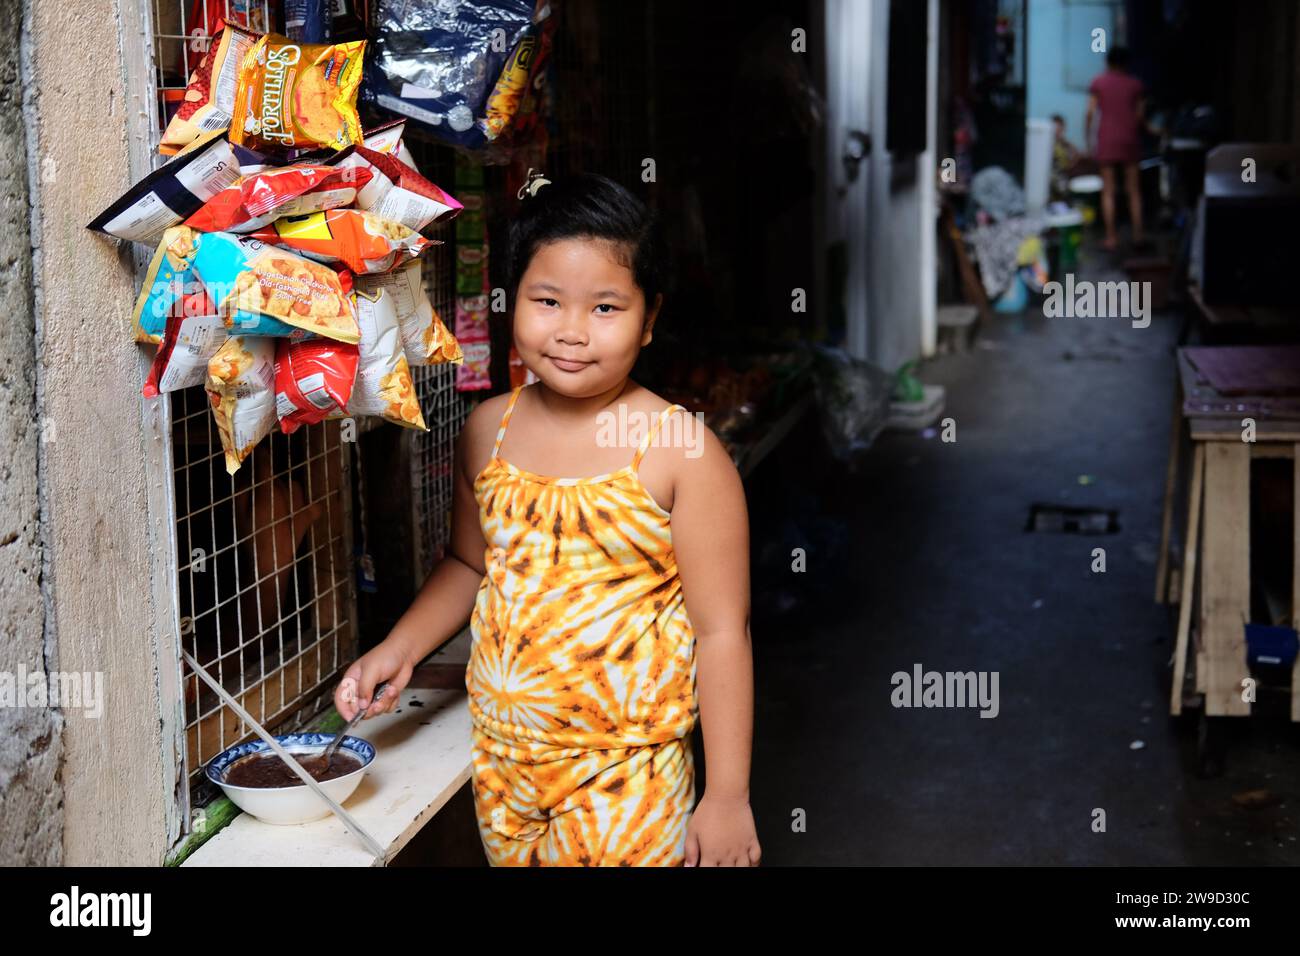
(257, 200)
(313, 381)
(396, 191)
(363, 242)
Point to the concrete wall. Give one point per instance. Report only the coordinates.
(31, 746)
(84, 136)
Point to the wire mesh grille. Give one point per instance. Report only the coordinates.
(445, 409)
(264, 578)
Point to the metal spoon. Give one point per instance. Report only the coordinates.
(328, 753)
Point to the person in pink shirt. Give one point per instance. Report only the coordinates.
(1117, 96)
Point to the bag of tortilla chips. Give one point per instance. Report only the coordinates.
(298, 95)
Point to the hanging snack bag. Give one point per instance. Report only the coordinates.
(182, 356)
(209, 100)
(384, 386)
(313, 381)
(241, 388)
(503, 102)
(171, 193)
(171, 286)
(472, 318)
(425, 339)
(397, 192)
(262, 290)
(475, 373)
(359, 240)
(387, 138)
(256, 200)
(298, 95)
(384, 138)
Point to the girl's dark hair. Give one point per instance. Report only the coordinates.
(588, 205)
(1118, 57)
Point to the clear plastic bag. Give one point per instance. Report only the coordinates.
(436, 62)
(852, 399)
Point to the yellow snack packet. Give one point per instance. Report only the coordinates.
(425, 338)
(384, 386)
(298, 95)
(241, 388)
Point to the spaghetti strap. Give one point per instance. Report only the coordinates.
(505, 420)
(650, 435)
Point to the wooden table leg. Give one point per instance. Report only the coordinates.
(1171, 481)
(1225, 576)
(1190, 541)
(1295, 578)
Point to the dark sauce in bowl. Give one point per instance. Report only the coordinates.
(266, 770)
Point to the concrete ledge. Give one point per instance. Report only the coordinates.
(422, 760)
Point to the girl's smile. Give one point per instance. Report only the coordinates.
(568, 365)
(580, 318)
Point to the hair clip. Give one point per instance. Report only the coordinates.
(534, 183)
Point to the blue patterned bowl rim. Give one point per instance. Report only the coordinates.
(216, 769)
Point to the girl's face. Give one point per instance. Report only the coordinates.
(580, 319)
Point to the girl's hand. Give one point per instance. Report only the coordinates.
(385, 662)
(721, 833)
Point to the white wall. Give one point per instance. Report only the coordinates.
(901, 221)
(1060, 34)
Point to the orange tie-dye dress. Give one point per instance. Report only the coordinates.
(582, 671)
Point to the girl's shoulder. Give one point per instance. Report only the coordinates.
(681, 438)
(643, 399)
(478, 434)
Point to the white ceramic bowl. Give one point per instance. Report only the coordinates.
(299, 803)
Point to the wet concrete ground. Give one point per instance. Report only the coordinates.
(921, 557)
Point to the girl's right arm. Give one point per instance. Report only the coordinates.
(442, 605)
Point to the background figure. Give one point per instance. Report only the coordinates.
(1118, 96)
(1065, 158)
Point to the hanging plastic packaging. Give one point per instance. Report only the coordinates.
(259, 199)
(241, 388)
(362, 242)
(384, 386)
(171, 286)
(298, 95)
(425, 338)
(262, 290)
(182, 357)
(443, 66)
(209, 100)
(396, 191)
(171, 193)
(313, 381)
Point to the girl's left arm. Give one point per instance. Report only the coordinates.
(711, 541)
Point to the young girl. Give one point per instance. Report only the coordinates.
(599, 601)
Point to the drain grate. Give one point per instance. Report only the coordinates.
(1063, 519)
